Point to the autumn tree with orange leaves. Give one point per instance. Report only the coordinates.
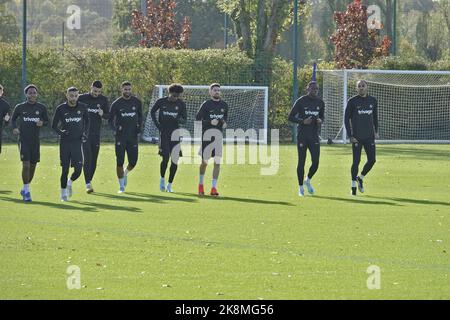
(158, 27)
(356, 46)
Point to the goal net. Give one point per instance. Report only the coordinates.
(413, 106)
(248, 111)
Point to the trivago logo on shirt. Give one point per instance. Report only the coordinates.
(93, 110)
(170, 114)
(368, 112)
(311, 113)
(68, 120)
(216, 116)
(128, 114)
(29, 119)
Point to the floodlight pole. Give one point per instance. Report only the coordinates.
(225, 30)
(24, 45)
(295, 66)
(394, 34)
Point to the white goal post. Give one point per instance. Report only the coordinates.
(248, 111)
(413, 106)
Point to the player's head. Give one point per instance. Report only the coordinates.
(313, 89)
(126, 89)
(72, 95)
(31, 92)
(361, 87)
(214, 91)
(1, 90)
(175, 91)
(96, 88)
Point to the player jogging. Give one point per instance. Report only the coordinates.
(213, 114)
(71, 123)
(98, 109)
(27, 119)
(308, 112)
(4, 114)
(125, 119)
(361, 123)
(172, 113)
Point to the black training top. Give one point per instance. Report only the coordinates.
(125, 117)
(171, 114)
(361, 117)
(4, 109)
(304, 108)
(25, 117)
(94, 104)
(71, 123)
(210, 110)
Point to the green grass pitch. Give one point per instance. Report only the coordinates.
(259, 240)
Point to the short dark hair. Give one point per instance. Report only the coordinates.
(126, 83)
(214, 85)
(72, 89)
(176, 88)
(28, 87)
(97, 84)
(1, 87)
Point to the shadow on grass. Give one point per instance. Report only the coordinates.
(413, 201)
(358, 200)
(5, 192)
(136, 196)
(245, 200)
(55, 205)
(104, 206)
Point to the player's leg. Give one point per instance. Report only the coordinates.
(164, 152)
(120, 160)
(217, 143)
(26, 157)
(175, 154)
(370, 149)
(64, 155)
(301, 153)
(314, 150)
(95, 149)
(87, 164)
(202, 170)
(356, 151)
(77, 160)
(131, 149)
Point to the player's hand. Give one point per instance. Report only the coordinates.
(353, 140)
(6, 117)
(319, 121)
(214, 122)
(100, 112)
(16, 131)
(307, 120)
(119, 128)
(40, 123)
(224, 125)
(64, 133)
(377, 136)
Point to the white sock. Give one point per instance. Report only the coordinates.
(88, 185)
(214, 183)
(125, 172)
(202, 179)
(353, 184)
(361, 176)
(69, 183)
(26, 187)
(63, 192)
(307, 179)
(169, 186)
(162, 181)
(122, 182)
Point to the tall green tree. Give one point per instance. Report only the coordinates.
(124, 36)
(258, 25)
(9, 31)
